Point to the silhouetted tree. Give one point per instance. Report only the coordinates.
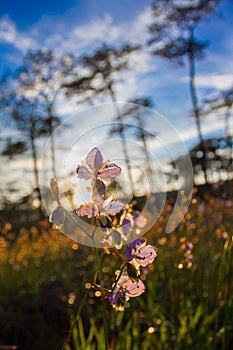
(135, 112)
(26, 116)
(218, 159)
(28, 97)
(100, 77)
(40, 79)
(221, 103)
(173, 37)
(13, 148)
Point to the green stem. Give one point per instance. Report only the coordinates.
(99, 268)
(95, 224)
(100, 277)
(119, 276)
(69, 335)
(105, 327)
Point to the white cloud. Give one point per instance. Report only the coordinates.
(98, 30)
(137, 30)
(88, 36)
(213, 80)
(83, 37)
(9, 34)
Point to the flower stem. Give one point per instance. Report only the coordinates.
(99, 268)
(69, 335)
(100, 277)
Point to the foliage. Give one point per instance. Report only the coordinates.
(188, 303)
(173, 37)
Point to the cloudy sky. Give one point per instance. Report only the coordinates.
(81, 26)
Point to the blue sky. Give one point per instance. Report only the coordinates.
(81, 26)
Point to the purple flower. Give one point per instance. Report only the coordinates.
(107, 207)
(94, 167)
(112, 207)
(88, 210)
(133, 246)
(140, 254)
(127, 224)
(145, 255)
(124, 289)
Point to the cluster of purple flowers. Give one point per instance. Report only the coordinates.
(95, 169)
(128, 285)
(118, 221)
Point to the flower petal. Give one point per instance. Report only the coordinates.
(133, 246)
(94, 159)
(107, 201)
(101, 188)
(145, 255)
(114, 207)
(131, 288)
(108, 171)
(134, 289)
(100, 193)
(126, 225)
(114, 296)
(83, 172)
(87, 210)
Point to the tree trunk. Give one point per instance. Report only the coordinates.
(52, 147)
(191, 61)
(34, 156)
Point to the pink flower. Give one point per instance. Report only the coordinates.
(145, 255)
(107, 207)
(139, 253)
(88, 210)
(133, 246)
(124, 289)
(94, 167)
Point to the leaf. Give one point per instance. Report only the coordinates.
(58, 216)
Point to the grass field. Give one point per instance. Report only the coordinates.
(188, 302)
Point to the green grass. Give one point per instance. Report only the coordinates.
(185, 306)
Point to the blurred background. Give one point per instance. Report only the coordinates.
(61, 59)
